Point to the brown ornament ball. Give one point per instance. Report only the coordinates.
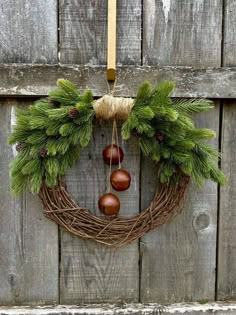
(120, 180)
(109, 204)
(112, 152)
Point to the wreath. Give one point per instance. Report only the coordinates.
(50, 135)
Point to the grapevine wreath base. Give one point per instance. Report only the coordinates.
(50, 135)
(60, 207)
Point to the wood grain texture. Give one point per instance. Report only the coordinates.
(91, 272)
(28, 241)
(83, 31)
(229, 44)
(183, 32)
(177, 258)
(227, 237)
(38, 80)
(28, 31)
(226, 268)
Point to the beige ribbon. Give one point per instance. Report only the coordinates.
(109, 107)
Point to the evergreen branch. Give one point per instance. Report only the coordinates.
(192, 106)
(51, 133)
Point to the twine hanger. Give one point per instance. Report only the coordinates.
(109, 107)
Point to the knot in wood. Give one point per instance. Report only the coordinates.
(109, 107)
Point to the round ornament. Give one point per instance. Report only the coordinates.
(120, 180)
(113, 153)
(109, 204)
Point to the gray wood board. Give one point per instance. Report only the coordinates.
(92, 272)
(28, 241)
(83, 31)
(28, 80)
(179, 257)
(186, 32)
(227, 237)
(28, 31)
(178, 260)
(226, 280)
(229, 47)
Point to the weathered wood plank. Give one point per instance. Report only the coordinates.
(83, 31)
(177, 258)
(184, 32)
(28, 80)
(28, 241)
(132, 309)
(227, 236)
(91, 272)
(226, 268)
(28, 31)
(229, 56)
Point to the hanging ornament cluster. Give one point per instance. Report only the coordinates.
(119, 179)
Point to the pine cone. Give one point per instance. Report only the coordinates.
(73, 113)
(55, 104)
(19, 147)
(177, 169)
(136, 134)
(43, 152)
(160, 137)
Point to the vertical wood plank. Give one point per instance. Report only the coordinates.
(226, 286)
(83, 31)
(183, 32)
(177, 258)
(28, 31)
(229, 57)
(28, 241)
(92, 272)
(226, 280)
